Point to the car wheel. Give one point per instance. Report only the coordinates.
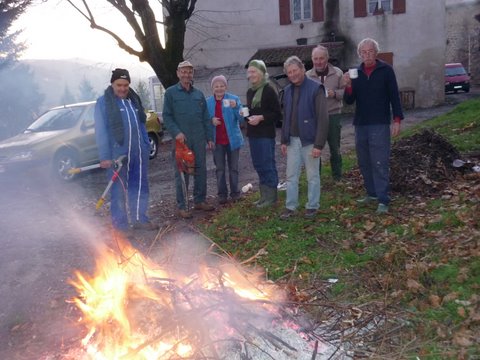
(467, 89)
(64, 161)
(152, 139)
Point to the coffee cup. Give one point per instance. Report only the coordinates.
(245, 112)
(247, 188)
(226, 102)
(353, 73)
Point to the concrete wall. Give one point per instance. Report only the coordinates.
(225, 32)
(416, 39)
(223, 35)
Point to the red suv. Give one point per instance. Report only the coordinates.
(456, 78)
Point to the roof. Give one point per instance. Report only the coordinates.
(277, 56)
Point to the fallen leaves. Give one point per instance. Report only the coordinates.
(414, 286)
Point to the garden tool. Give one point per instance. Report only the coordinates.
(117, 166)
(73, 171)
(185, 159)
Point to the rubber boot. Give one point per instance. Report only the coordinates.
(262, 195)
(270, 197)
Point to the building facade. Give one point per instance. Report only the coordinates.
(223, 35)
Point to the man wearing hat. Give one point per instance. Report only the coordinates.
(187, 119)
(120, 130)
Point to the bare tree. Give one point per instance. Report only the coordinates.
(140, 16)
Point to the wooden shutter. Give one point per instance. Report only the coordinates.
(318, 10)
(399, 6)
(386, 56)
(359, 8)
(284, 7)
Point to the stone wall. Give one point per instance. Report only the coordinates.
(463, 36)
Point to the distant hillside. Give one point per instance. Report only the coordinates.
(52, 76)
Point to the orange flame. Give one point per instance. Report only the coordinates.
(124, 305)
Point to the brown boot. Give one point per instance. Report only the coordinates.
(185, 214)
(204, 206)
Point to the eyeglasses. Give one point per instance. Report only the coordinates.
(186, 71)
(367, 52)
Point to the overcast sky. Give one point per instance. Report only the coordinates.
(55, 30)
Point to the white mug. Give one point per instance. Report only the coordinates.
(245, 112)
(353, 73)
(226, 102)
(247, 188)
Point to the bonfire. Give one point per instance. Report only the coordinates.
(131, 308)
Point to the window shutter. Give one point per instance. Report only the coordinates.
(386, 56)
(399, 7)
(284, 7)
(359, 8)
(318, 10)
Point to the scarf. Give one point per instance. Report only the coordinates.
(257, 98)
(113, 113)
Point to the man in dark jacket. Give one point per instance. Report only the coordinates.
(374, 92)
(304, 133)
(120, 130)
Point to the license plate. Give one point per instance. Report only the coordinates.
(457, 87)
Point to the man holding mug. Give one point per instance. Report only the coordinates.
(375, 94)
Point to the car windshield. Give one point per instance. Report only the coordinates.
(57, 119)
(455, 71)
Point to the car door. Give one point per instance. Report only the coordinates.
(86, 142)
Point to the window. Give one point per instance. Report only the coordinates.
(360, 8)
(301, 10)
(379, 6)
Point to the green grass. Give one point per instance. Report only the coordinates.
(461, 126)
(373, 257)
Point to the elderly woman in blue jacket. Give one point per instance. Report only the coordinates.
(224, 108)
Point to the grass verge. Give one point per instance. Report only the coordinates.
(420, 262)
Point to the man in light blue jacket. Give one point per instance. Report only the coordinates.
(224, 108)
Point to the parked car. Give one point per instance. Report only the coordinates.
(63, 138)
(155, 132)
(456, 78)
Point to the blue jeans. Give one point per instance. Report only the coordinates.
(219, 154)
(262, 151)
(199, 148)
(372, 144)
(134, 182)
(298, 155)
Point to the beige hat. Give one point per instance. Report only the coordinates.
(185, 63)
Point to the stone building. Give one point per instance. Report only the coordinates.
(463, 35)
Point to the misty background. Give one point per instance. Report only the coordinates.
(30, 87)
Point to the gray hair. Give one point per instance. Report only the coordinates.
(367, 41)
(321, 48)
(293, 60)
